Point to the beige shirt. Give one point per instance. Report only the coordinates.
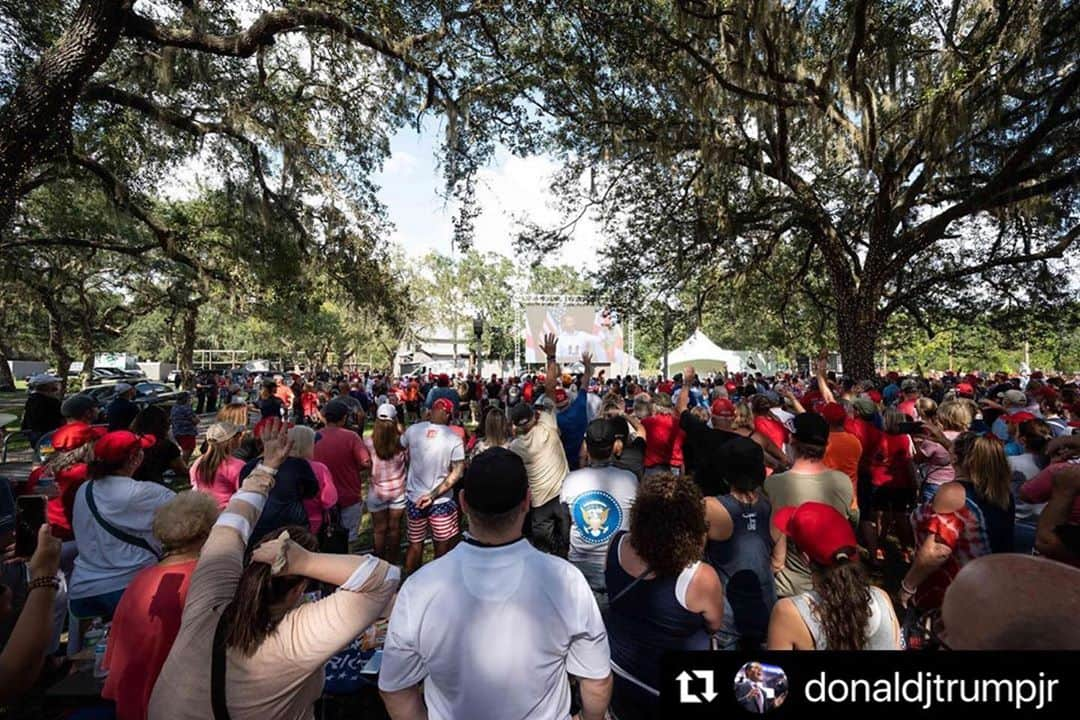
(545, 460)
(284, 677)
(791, 489)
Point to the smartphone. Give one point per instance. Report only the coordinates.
(29, 517)
(911, 428)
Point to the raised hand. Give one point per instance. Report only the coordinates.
(276, 444)
(46, 559)
(586, 360)
(550, 345)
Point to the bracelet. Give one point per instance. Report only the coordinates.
(49, 581)
(272, 472)
(905, 588)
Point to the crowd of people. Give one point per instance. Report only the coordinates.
(585, 527)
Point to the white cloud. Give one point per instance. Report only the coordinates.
(402, 164)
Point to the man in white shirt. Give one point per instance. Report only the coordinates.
(598, 500)
(493, 629)
(436, 461)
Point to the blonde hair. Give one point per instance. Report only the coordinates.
(988, 468)
(185, 520)
(744, 417)
(927, 408)
(303, 442)
(235, 414)
(954, 415)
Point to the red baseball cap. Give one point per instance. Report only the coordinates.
(833, 412)
(964, 389)
(561, 398)
(1018, 417)
(443, 404)
(874, 395)
(76, 434)
(819, 531)
(893, 375)
(119, 445)
(443, 377)
(722, 407)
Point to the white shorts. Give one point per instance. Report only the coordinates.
(375, 504)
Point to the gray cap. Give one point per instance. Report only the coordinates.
(78, 405)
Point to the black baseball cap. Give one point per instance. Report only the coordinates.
(812, 429)
(521, 415)
(743, 463)
(620, 427)
(600, 435)
(496, 481)
(336, 410)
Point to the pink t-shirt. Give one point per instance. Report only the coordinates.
(226, 480)
(344, 453)
(938, 462)
(1039, 488)
(387, 476)
(326, 499)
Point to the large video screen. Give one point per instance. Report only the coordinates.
(580, 328)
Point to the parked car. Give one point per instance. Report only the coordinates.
(146, 393)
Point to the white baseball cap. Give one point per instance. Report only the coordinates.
(122, 388)
(386, 411)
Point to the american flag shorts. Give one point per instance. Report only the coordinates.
(442, 518)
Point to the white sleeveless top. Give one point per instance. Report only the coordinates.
(880, 629)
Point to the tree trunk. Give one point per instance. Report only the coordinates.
(37, 118)
(59, 351)
(858, 327)
(7, 380)
(86, 377)
(186, 351)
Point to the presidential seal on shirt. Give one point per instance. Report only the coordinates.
(596, 516)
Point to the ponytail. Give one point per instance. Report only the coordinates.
(255, 610)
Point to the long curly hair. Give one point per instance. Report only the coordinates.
(667, 524)
(843, 608)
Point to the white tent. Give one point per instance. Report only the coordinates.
(708, 357)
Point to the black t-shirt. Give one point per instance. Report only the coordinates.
(42, 413)
(294, 483)
(121, 413)
(156, 460)
(493, 390)
(704, 453)
(270, 407)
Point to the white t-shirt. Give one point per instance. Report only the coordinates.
(432, 449)
(106, 563)
(492, 632)
(599, 499)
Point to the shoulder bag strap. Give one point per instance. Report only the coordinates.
(217, 673)
(116, 532)
(636, 580)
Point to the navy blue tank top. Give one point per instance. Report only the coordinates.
(744, 564)
(647, 621)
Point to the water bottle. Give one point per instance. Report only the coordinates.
(100, 671)
(93, 635)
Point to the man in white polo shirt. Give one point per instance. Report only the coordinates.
(453, 620)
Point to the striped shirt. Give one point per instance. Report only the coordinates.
(387, 476)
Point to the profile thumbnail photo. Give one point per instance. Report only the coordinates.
(760, 687)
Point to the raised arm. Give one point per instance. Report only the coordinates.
(586, 377)
(24, 653)
(550, 347)
(822, 381)
(684, 391)
(221, 561)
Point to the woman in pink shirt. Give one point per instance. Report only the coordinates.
(386, 494)
(303, 447)
(216, 471)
